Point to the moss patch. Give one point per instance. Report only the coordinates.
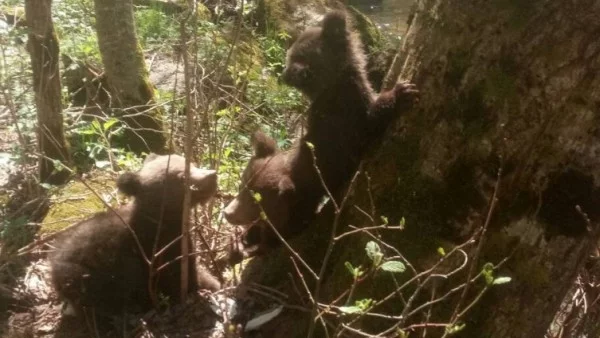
(75, 202)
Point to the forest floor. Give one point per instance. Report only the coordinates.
(37, 312)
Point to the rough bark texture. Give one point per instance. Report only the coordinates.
(504, 84)
(127, 74)
(516, 81)
(44, 51)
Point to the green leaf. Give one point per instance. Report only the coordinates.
(501, 280)
(257, 197)
(372, 248)
(364, 304)
(350, 309)
(374, 252)
(96, 126)
(402, 222)
(452, 329)
(384, 220)
(401, 333)
(222, 112)
(354, 271)
(441, 251)
(350, 268)
(263, 216)
(108, 124)
(86, 131)
(310, 146)
(393, 266)
(488, 273)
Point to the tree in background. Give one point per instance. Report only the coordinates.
(44, 51)
(127, 76)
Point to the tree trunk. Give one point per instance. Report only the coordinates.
(511, 84)
(504, 84)
(127, 75)
(44, 51)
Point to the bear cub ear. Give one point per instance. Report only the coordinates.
(263, 145)
(129, 184)
(334, 26)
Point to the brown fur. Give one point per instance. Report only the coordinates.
(98, 266)
(327, 64)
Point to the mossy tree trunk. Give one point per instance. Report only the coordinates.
(511, 84)
(504, 84)
(44, 51)
(131, 91)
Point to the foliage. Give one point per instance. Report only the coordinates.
(386, 269)
(74, 23)
(252, 97)
(155, 28)
(17, 232)
(263, 84)
(15, 87)
(94, 141)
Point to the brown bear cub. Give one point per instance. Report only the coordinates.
(327, 64)
(97, 266)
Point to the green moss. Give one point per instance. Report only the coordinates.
(75, 202)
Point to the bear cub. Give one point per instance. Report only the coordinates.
(97, 266)
(345, 118)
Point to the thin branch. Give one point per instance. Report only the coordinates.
(330, 245)
(479, 248)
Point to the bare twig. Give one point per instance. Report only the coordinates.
(331, 244)
(479, 248)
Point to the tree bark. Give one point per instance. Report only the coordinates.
(127, 75)
(44, 51)
(510, 84)
(504, 84)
